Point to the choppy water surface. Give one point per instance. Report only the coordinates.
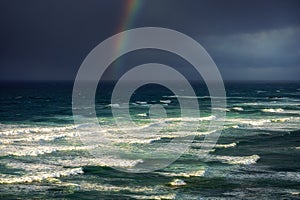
(257, 155)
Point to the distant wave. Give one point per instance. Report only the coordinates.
(237, 108)
(291, 102)
(85, 186)
(151, 196)
(165, 101)
(141, 102)
(26, 150)
(114, 105)
(187, 172)
(183, 174)
(200, 144)
(234, 160)
(105, 161)
(260, 91)
(265, 175)
(275, 124)
(38, 177)
(280, 110)
(142, 114)
(230, 145)
(37, 172)
(222, 109)
(15, 130)
(136, 192)
(37, 138)
(177, 182)
(194, 97)
(272, 110)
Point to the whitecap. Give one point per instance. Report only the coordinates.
(142, 114)
(34, 150)
(105, 161)
(38, 177)
(272, 110)
(230, 145)
(34, 172)
(155, 197)
(15, 130)
(37, 138)
(86, 186)
(237, 108)
(177, 182)
(286, 176)
(234, 160)
(189, 174)
(274, 124)
(141, 102)
(114, 105)
(222, 109)
(165, 101)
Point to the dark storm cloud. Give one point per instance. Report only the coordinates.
(49, 39)
(269, 54)
(222, 17)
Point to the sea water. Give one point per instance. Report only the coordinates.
(256, 156)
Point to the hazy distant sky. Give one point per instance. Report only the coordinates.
(248, 40)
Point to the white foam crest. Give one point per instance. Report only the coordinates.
(196, 173)
(230, 145)
(38, 177)
(222, 109)
(36, 172)
(165, 101)
(15, 130)
(234, 160)
(146, 192)
(141, 102)
(273, 124)
(250, 122)
(38, 150)
(200, 144)
(151, 136)
(287, 176)
(198, 152)
(177, 96)
(155, 197)
(86, 186)
(237, 108)
(190, 119)
(177, 182)
(142, 114)
(195, 97)
(272, 103)
(152, 123)
(105, 161)
(273, 110)
(38, 137)
(114, 105)
(154, 130)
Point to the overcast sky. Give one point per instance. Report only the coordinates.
(248, 40)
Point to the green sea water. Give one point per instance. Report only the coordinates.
(256, 156)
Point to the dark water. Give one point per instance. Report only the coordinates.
(257, 155)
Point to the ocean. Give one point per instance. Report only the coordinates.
(256, 156)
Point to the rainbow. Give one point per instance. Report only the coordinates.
(129, 15)
(131, 10)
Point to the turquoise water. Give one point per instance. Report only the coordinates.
(257, 155)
